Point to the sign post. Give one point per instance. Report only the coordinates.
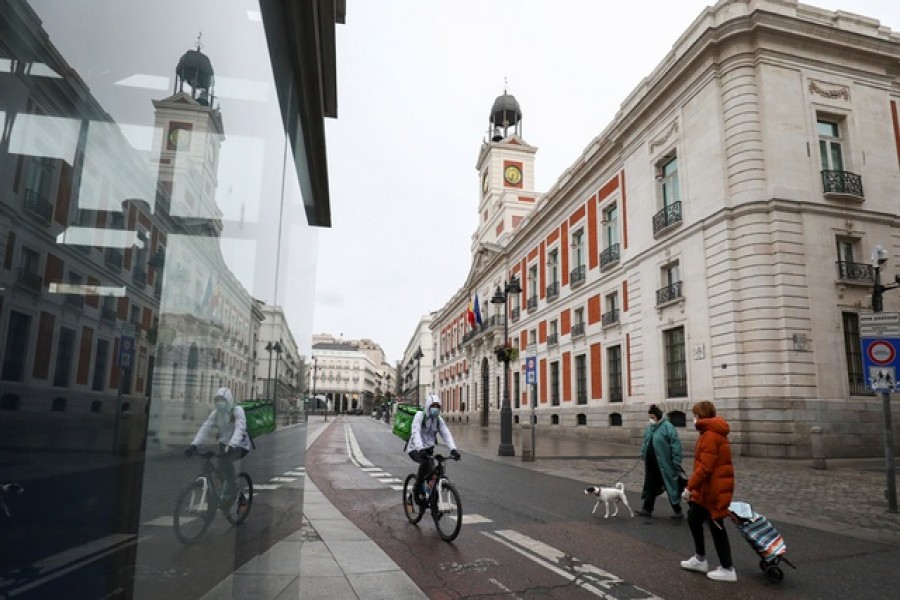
(531, 379)
(880, 339)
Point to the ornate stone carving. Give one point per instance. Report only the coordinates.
(673, 128)
(832, 93)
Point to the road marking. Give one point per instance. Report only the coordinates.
(397, 488)
(353, 450)
(504, 588)
(265, 486)
(296, 473)
(378, 473)
(474, 519)
(283, 479)
(585, 575)
(371, 468)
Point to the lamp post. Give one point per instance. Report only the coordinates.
(502, 297)
(269, 348)
(278, 349)
(879, 258)
(418, 356)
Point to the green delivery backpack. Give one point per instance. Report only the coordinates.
(260, 417)
(403, 419)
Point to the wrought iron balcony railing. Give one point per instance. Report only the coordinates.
(29, 280)
(553, 339)
(74, 301)
(576, 276)
(610, 255)
(667, 217)
(514, 314)
(577, 329)
(842, 183)
(139, 277)
(610, 317)
(851, 271)
(615, 394)
(532, 302)
(107, 314)
(553, 291)
(113, 258)
(668, 293)
(38, 206)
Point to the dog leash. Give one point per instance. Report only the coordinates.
(628, 472)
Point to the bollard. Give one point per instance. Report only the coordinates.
(527, 432)
(817, 443)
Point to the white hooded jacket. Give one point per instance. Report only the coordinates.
(231, 424)
(425, 429)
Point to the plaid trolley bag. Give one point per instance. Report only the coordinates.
(763, 538)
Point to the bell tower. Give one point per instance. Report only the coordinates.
(505, 168)
(189, 135)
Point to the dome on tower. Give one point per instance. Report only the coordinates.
(195, 69)
(506, 111)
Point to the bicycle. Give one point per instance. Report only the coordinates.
(441, 498)
(196, 505)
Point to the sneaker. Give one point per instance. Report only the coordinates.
(643, 513)
(722, 574)
(695, 564)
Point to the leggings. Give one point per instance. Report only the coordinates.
(697, 515)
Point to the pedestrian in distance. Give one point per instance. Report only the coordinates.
(709, 491)
(230, 423)
(426, 426)
(661, 452)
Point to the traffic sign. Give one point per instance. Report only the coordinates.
(126, 351)
(880, 363)
(530, 370)
(879, 325)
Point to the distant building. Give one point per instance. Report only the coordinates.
(712, 242)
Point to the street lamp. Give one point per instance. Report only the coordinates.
(502, 297)
(418, 356)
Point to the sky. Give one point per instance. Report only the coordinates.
(416, 81)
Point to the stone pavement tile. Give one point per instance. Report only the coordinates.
(385, 586)
(281, 559)
(337, 530)
(316, 560)
(291, 592)
(326, 588)
(251, 587)
(361, 557)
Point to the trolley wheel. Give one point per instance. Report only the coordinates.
(763, 565)
(774, 574)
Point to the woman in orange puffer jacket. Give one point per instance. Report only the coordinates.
(709, 491)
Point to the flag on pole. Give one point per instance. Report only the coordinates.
(470, 314)
(477, 310)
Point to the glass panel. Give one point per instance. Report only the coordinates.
(155, 212)
(837, 159)
(827, 129)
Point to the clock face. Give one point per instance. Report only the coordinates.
(179, 138)
(512, 174)
(484, 182)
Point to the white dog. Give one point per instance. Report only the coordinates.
(607, 495)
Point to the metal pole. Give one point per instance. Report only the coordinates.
(533, 424)
(506, 446)
(891, 490)
(269, 376)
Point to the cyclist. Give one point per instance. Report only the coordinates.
(234, 441)
(426, 425)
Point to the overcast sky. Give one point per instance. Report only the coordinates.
(416, 81)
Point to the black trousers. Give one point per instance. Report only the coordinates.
(423, 457)
(697, 516)
(653, 482)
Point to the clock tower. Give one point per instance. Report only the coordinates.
(188, 136)
(506, 171)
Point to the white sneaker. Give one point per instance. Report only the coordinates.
(723, 574)
(695, 564)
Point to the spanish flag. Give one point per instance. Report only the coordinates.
(470, 314)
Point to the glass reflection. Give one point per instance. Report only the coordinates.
(146, 220)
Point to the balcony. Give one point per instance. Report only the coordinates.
(113, 258)
(553, 291)
(610, 317)
(842, 185)
(107, 314)
(609, 256)
(578, 330)
(615, 393)
(553, 339)
(29, 280)
(851, 271)
(667, 218)
(38, 207)
(75, 301)
(514, 314)
(532, 303)
(576, 276)
(139, 277)
(668, 294)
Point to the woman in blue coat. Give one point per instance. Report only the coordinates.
(661, 452)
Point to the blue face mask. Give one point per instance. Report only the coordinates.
(434, 411)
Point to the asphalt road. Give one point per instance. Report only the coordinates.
(528, 534)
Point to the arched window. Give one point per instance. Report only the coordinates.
(554, 419)
(677, 418)
(581, 419)
(615, 420)
(59, 404)
(96, 406)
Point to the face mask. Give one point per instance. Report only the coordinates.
(695, 421)
(652, 421)
(434, 411)
(221, 405)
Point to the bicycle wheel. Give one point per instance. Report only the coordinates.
(447, 512)
(414, 511)
(238, 508)
(192, 513)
